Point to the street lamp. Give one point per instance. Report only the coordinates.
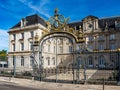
(14, 69)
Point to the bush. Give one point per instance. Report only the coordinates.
(26, 73)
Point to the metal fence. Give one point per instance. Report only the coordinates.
(74, 73)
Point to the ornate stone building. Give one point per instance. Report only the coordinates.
(91, 42)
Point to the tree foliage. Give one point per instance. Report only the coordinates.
(3, 55)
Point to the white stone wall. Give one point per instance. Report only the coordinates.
(18, 52)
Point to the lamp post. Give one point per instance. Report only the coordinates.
(34, 55)
(14, 68)
(56, 61)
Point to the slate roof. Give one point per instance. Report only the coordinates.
(31, 20)
(101, 22)
(35, 19)
(110, 21)
(73, 24)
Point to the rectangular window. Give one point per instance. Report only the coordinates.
(101, 47)
(22, 61)
(31, 45)
(70, 48)
(32, 34)
(22, 46)
(54, 49)
(90, 47)
(61, 50)
(112, 46)
(90, 38)
(13, 60)
(14, 36)
(13, 47)
(79, 47)
(53, 61)
(22, 34)
(101, 37)
(48, 61)
(112, 36)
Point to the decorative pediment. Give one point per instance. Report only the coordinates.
(89, 17)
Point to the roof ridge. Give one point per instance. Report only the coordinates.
(109, 17)
(74, 22)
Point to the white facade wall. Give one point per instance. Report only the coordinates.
(18, 52)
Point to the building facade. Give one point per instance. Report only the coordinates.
(91, 42)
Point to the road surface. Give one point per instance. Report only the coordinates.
(9, 86)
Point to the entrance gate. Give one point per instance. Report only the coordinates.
(60, 61)
(58, 57)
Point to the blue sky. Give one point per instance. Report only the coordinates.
(11, 11)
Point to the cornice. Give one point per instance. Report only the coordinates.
(19, 52)
(26, 28)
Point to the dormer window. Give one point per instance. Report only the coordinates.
(23, 22)
(117, 24)
(90, 23)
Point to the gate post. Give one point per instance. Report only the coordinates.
(77, 74)
(84, 73)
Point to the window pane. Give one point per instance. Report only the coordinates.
(22, 46)
(32, 34)
(70, 48)
(13, 47)
(22, 61)
(22, 35)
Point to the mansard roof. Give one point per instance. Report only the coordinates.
(73, 24)
(101, 22)
(31, 20)
(110, 21)
(35, 19)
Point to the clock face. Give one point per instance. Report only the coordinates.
(89, 26)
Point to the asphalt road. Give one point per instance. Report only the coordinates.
(8, 86)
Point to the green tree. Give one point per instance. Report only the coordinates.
(3, 55)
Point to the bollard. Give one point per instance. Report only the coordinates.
(9, 78)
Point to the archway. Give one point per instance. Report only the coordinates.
(57, 55)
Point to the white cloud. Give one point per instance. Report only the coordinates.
(39, 8)
(3, 39)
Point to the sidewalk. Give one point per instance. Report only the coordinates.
(56, 86)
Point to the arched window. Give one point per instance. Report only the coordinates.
(53, 60)
(48, 59)
(101, 61)
(48, 48)
(90, 61)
